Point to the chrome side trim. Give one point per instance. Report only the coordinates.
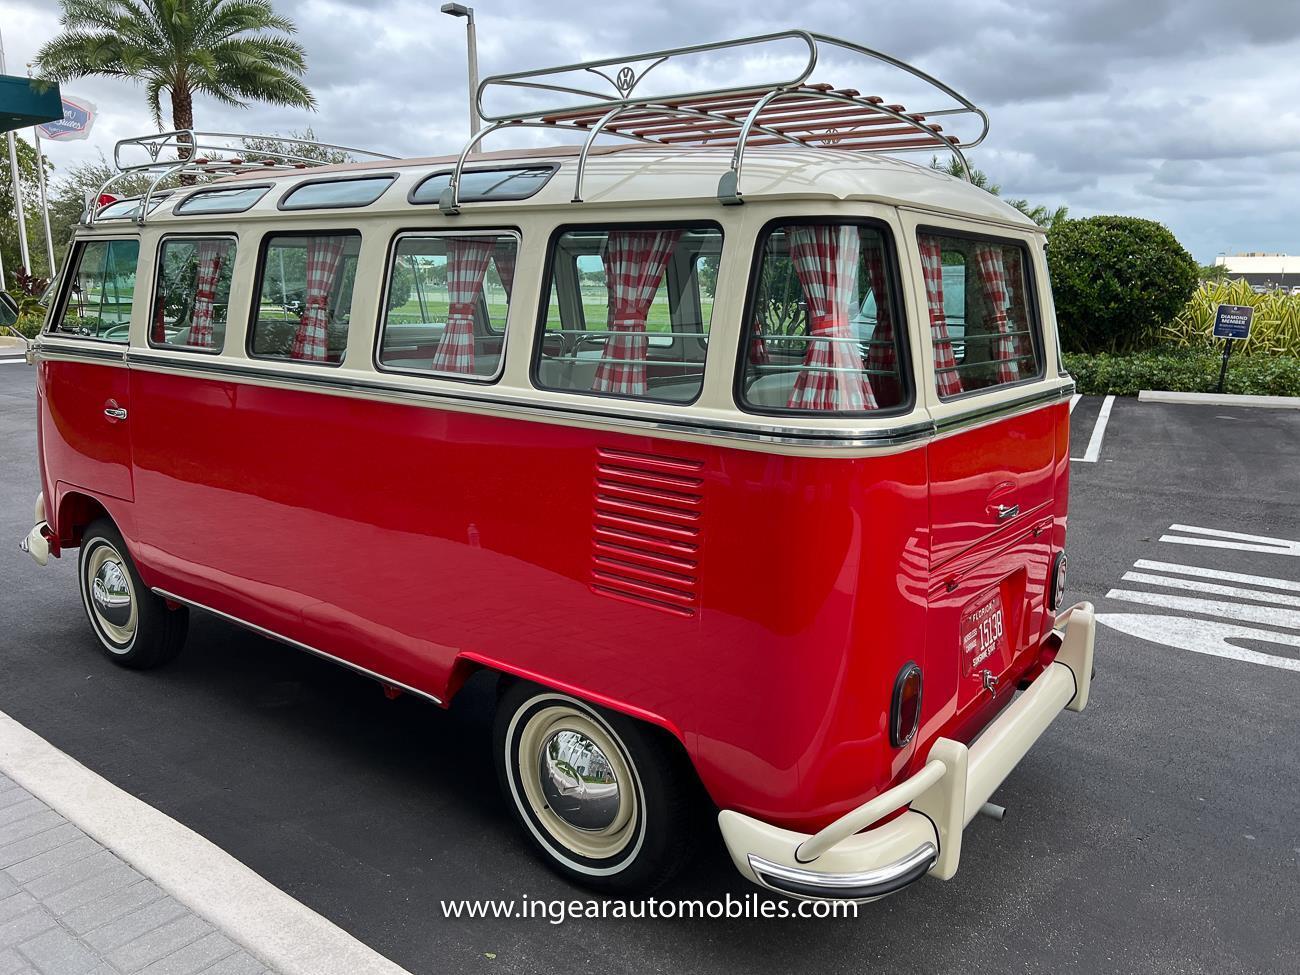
(84, 348)
(907, 432)
(280, 638)
(846, 886)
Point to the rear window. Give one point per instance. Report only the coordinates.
(304, 299)
(100, 291)
(486, 184)
(334, 193)
(232, 200)
(980, 307)
(825, 322)
(628, 312)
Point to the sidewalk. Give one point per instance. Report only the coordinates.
(69, 906)
(95, 882)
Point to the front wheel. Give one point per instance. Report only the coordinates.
(134, 626)
(604, 799)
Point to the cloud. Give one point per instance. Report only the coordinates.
(1182, 110)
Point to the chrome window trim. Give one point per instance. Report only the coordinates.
(154, 293)
(180, 211)
(381, 326)
(285, 203)
(281, 638)
(68, 277)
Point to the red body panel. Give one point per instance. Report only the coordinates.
(761, 605)
(81, 447)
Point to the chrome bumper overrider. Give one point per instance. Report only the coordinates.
(37, 543)
(843, 862)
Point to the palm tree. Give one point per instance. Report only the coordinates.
(234, 51)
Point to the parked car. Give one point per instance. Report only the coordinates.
(713, 490)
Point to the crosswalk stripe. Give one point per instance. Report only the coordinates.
(1267, 615)
(1210, 587)
(1196, 570)
(1219, 538)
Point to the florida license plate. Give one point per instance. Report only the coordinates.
(984, 635)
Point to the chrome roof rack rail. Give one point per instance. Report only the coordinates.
(187, 152)
(788, 110)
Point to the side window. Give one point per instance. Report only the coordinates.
(979, 301)
(446, 305)
(825, 322)
(628, 312)
(98, 301)
(304, 300)
(192, 293)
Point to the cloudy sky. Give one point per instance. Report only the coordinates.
(1187, 112)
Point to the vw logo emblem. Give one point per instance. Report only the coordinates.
(625, 80)
(831, 137)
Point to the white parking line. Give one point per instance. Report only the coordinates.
(1074, 401)
(1204, 636)
(1194, 585)
(1091, 455)
(13, 362)
(1218, 538)
(1267, 615)
(268, 922)
(1196, 570)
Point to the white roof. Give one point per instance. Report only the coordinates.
(637, 175)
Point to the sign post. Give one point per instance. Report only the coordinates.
(1231, 322)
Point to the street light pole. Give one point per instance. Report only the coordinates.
(471, 40)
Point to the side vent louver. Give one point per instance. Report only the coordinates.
(648, 530)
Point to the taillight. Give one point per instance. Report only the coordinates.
(1058, 582)
(905, 712)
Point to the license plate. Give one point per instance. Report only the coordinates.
(984, 635)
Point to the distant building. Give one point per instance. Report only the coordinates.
(1263, 270)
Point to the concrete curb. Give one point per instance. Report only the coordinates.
(279, 930)
(1220, 399)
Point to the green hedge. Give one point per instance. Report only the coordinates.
(1182, 371)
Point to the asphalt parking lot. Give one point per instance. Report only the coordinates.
(1156, 832)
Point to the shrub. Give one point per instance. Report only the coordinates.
(1274, 331)
(30, 324)
(1117, 281)
(1182, 371)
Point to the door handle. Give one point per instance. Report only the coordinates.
(115, 412)
(1005, 511)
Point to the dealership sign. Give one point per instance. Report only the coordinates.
(78, 117)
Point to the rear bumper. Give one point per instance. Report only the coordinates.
(842, 862)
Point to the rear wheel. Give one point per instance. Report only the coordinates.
(134, 626)
(604, 799)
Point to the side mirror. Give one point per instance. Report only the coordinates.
(8, 309)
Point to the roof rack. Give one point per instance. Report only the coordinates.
(787, 111)
(186, 152)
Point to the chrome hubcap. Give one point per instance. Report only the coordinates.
(578, 781)
(112, 596)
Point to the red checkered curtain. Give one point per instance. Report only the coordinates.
(324, 258)
(1018, 313)
(635, 261)
(883, 355)
(467, 264)
(825, 260)
(504, 256)
(210, 254)
(945, 373)
(993, 275)
(758, 353)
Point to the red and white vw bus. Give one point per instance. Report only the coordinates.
(740, 453)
